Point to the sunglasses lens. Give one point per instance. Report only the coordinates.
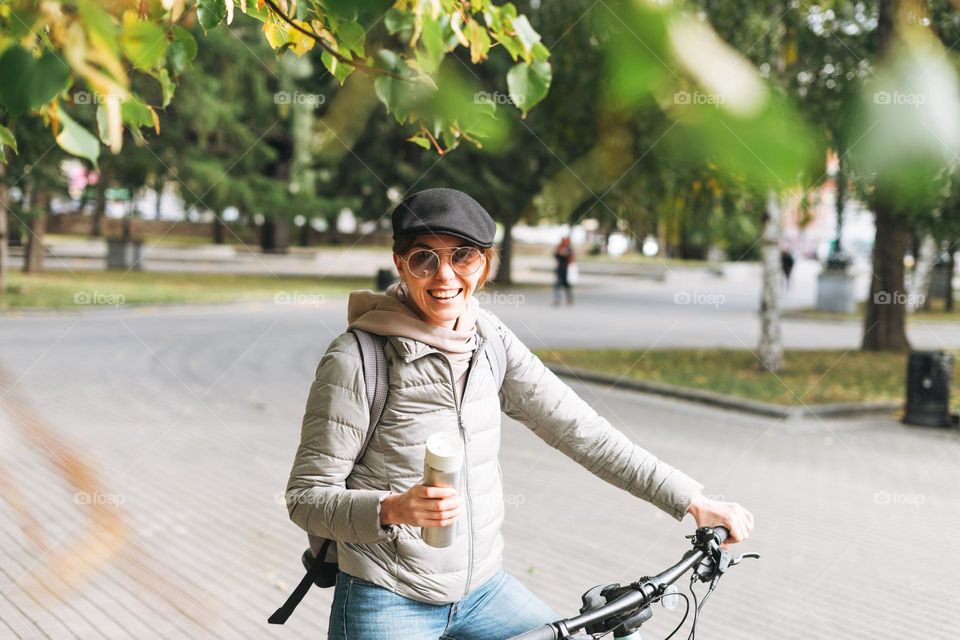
(423, 263)
(466, 260)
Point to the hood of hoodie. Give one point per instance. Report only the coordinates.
(391, 314)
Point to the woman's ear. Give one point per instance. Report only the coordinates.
(398, 263)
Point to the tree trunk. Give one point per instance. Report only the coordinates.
(33, 258)
(884, 325)
(770, 350)
(275, 235)
(159, 186)
(840, 205)
(218, 229)
(922, 273)
(505, 268)
(99, 206)
(4, 225)
(948, 303)
(305, 234)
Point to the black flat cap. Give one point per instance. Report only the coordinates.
(445, 211)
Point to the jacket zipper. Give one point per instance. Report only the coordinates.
(466, 459)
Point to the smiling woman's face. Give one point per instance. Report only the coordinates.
(442, 297)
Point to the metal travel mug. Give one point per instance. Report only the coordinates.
(441, 468)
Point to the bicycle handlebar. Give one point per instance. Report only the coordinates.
(634, 597)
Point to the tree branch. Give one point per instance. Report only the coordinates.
(326, 47)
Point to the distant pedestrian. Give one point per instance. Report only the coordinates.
(564, 257)
(786, 262)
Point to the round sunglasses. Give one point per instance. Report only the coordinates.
(423, 263)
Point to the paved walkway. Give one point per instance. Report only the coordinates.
(143, 455)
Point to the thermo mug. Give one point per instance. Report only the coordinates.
(441, 468)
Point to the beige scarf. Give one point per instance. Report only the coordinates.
(393, 314)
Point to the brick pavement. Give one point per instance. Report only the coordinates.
(157, 495)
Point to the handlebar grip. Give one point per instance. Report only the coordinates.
(546, 632)
(722, 533)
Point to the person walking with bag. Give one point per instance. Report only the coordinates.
(442, 356)
(565, 272)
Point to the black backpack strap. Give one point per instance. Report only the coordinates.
(316, 567)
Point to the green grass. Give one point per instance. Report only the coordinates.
(58, 289)
(935, 314)
(168, 240)
(816, 377)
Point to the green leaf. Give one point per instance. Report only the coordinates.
(7, 139)
(136, 114)
(420, 141)
(103, 126)
(26, 82)
(143, 43)
(339, 70)
(434, 47)
(76, 140)
(511, 44)
(525, 33)
(51, 76)
(528, 84)
(397, 21)
(166, 85)
(351, 35)
(635, 48)
(182, 51)
(391, 92)
(210, 13)
(100, 26)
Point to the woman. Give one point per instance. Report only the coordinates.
(392, 585)
(564, 257)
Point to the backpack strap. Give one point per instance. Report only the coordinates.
(315, 569)
(374, 378)
(497, 352)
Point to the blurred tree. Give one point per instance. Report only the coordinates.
(33, 175)
(907, 116)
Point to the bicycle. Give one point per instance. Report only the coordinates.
(624, 609)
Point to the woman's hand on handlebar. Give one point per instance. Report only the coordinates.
(711, 513)
(421, 506)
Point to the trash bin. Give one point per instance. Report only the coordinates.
(928, 388)
(124, 254)
(385, 278)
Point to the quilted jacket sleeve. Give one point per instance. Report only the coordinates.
(334, 425)
(535, 396)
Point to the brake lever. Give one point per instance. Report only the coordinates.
(744, 556)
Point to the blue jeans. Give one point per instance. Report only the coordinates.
(498, 609)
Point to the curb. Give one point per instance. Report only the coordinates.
(767, 409)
